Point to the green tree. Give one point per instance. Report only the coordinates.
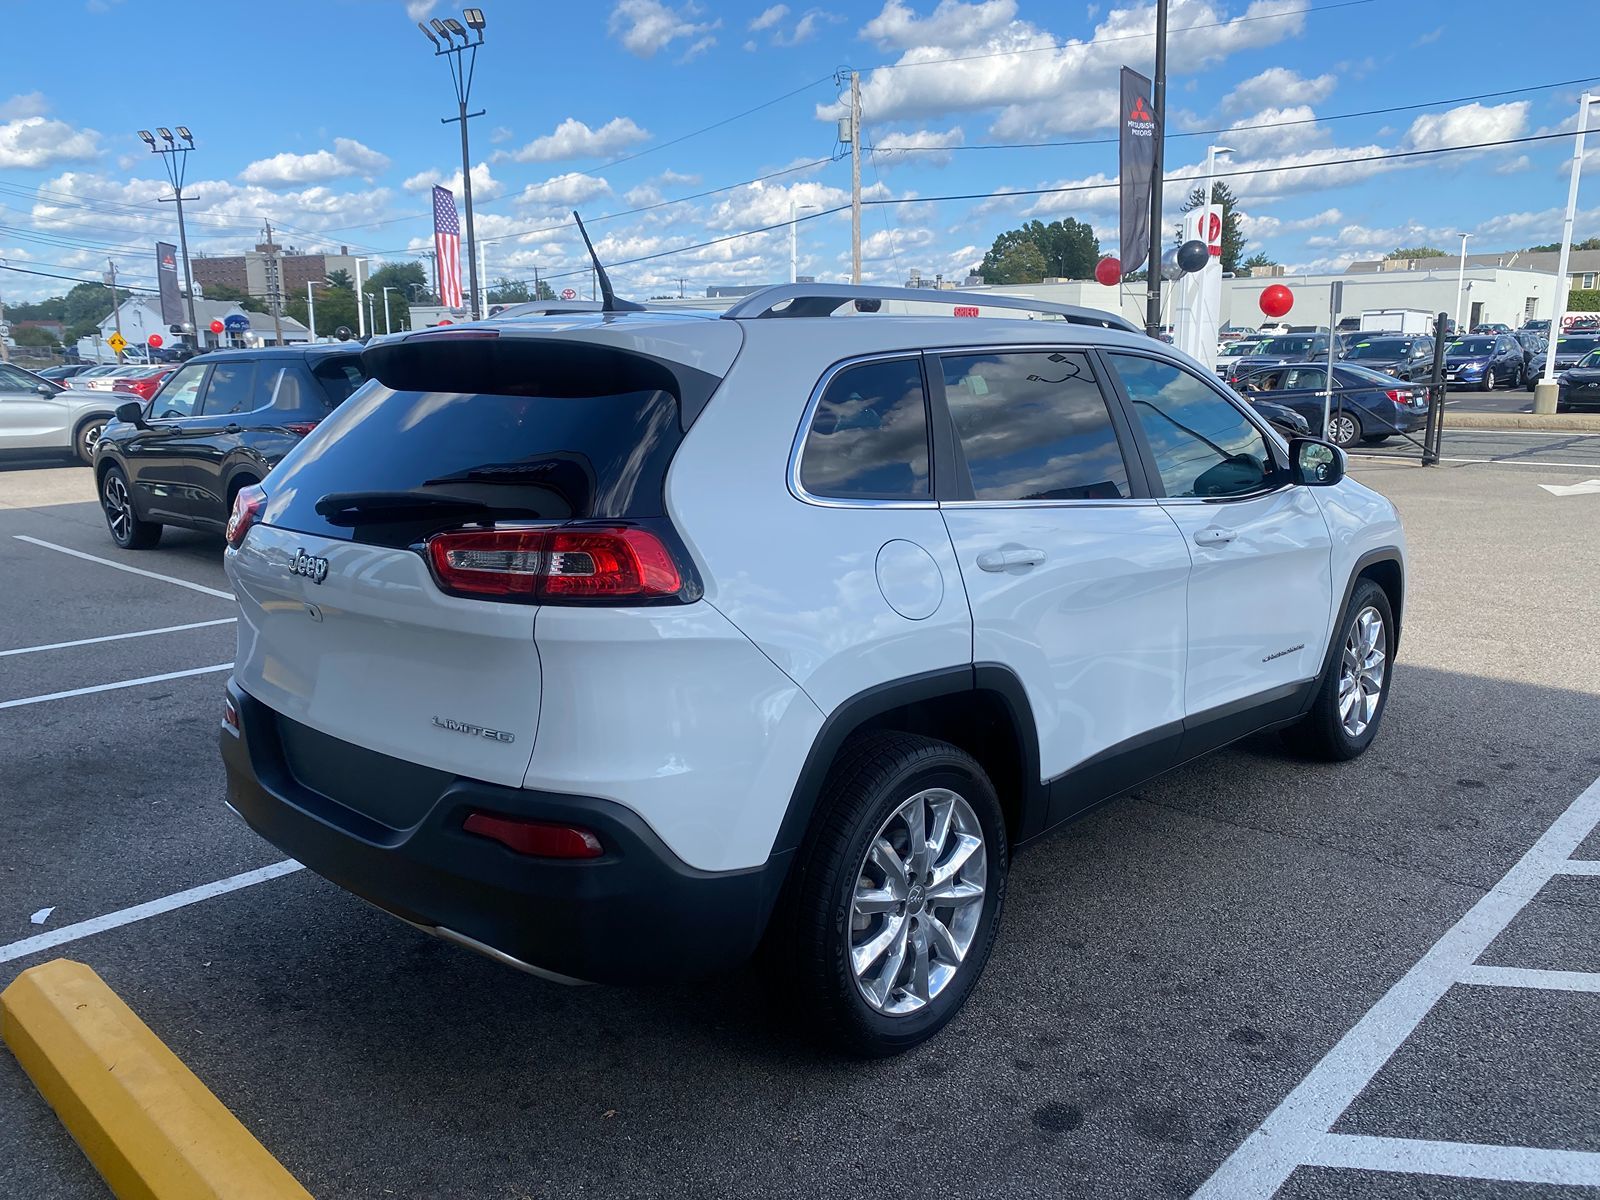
(1555, 247)
(33, 336)
(1065, 249)
(233, 295)
(87, 302)
(1416, 252)
(52, 308)
(1233, 239)
(1579, 300)
(510, 291)
(336, 306)
(1259, 259)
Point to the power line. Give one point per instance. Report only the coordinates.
(72, 279)
(1369, 112)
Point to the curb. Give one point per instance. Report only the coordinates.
(1560, 422)
(149, 1126)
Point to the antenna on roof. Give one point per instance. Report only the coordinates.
(608, 298)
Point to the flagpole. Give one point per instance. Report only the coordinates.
(1158, 100)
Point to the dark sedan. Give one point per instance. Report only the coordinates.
(1580, 384)
(1366, 406)
(1484, 361)
(1285, 348)
(220, 423)
(1402, 357)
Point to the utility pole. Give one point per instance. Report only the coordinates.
(483, 273)
(1546, 390)
(462, 68)
(5, 350)
(361, 309)
(1158, 101)
(116, 309)
(311, 310)
(274, 287)
(855, 175)
(176, 159)
(536, 283)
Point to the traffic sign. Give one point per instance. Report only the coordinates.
(117, 342)
(568, 294)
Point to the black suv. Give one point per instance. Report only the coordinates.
(220, 423)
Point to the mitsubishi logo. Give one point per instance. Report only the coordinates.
(1140, 111)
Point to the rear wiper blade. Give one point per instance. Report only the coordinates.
(361, 508)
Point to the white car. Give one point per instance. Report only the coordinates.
(613, 645)
(36, 414)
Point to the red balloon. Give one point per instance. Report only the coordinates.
(447, 322)
(155, 341)
(216, 327)
(1108, 271)
(1277, 300)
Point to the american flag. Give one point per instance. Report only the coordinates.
(447, 246)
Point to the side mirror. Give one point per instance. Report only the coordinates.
(131, 413)
(1316, 463)
(47, 389)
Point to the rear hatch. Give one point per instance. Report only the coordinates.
(349, 630)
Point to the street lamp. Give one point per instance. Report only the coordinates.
(175, 159)
(794, 241)
(1461, 275)
(387, 289)
(462, 61)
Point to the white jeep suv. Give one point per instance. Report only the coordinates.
(617, 644)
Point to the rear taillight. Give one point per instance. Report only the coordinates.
(1397, 395)
(300, 427)
(543, 839)
(247, 508)
(556, 564)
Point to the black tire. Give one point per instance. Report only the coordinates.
(1530, 380)
(810, 941)
(1486, 384)
(1321, 733)
(87, 437)
(122, 522)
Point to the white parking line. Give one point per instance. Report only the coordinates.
(1459, 1160)
(1298, 1130)
(118, 637)
(1520, 977)
(140, 912)
(111, 687)
(106, 562)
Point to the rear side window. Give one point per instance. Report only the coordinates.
(231, 389)
(869, 435)
(285, 388)
(1034, 426)
(408, 456)
(339, 377)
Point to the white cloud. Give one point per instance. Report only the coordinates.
(1433, 35)
(1467, 125)
(484, 185)
(697, 49)
(1276, 129)
(29, 104)
(348, 157)
(1041, 85)
(769, 17)
(499, 134)
(645, 27)
(919, 148)
(805, 28)
(418, 9)
(1264, 226)
(750, 46)
(43, 142)
(562, 190)
(573, 139)
(1518, 164)
(889, 244)
(1277, 86)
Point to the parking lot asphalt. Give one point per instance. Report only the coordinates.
(1170, 968)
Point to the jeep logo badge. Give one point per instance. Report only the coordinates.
(309, 565)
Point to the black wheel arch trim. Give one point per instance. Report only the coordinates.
(1384, 554)
(851, 715)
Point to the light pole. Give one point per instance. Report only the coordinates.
(794, 241)
(1547, 391)
(462, 68)
(176, 160)
(1211, 173)
(1461, 277)
(1158, 102)
(386, 291)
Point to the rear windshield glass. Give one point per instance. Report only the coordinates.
(1287, 345)
(1380, 348)
(1472, 345)
(339, 377)
(405, 464)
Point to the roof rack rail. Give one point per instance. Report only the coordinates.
(823, 300)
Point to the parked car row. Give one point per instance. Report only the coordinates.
(1364, 405)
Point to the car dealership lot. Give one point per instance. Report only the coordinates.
(1174, 965)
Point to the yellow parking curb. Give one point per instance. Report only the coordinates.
(149, 1126)
(1569, 422)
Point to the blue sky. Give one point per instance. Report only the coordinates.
(324, 119)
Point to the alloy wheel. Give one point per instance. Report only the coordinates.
(119, 515)
(917, 901)
(1342, 429)
(1362, 671)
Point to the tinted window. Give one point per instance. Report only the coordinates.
(177, 396)
(339, 377)
(1471, 345)
(522, 457)
(230, 389)
(14, 379)
(869, 436)
(1300, 378)
(1380, 348)
(1034, 426)
(1291, 346)
(284, 387)
(1203, 445)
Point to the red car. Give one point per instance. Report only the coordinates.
(146, 383)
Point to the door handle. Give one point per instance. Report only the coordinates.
(232, 428)
(1003, 560)
(1214, 535)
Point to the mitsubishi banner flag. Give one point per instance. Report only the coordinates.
(167, 279)
(447, 246)
(1139, 125)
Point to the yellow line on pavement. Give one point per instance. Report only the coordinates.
(149, 1126)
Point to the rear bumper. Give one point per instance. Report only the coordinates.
(637, 914)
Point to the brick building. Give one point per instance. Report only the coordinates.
(270, 267)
